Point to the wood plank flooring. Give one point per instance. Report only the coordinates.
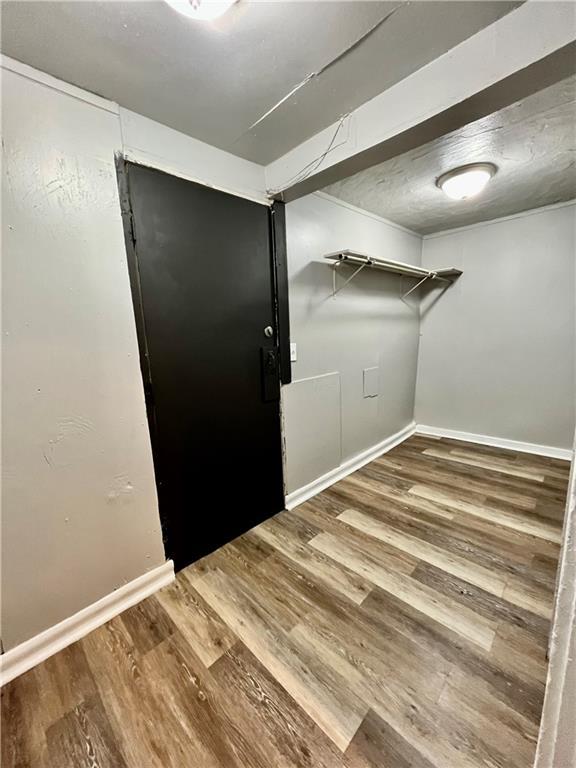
(399, 619)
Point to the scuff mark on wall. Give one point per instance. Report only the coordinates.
(121, 490)
(62, 448)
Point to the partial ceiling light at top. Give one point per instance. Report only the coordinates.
(202, 10)
(467, 181)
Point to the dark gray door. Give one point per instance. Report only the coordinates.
(203, 282)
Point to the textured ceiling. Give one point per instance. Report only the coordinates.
(533, 143)
(213, 81)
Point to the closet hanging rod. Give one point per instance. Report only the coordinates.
(446, 274)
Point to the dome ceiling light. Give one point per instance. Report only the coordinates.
(466, 181)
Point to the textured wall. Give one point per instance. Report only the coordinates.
(80, 515)
(497, 351)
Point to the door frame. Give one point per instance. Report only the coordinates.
(279, 252)
(280, 303)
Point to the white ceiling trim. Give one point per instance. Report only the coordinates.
(519, 215)
(57, 85)
(522, 37)
(368, 214)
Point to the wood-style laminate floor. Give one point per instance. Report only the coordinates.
(398, 619)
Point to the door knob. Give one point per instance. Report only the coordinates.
(269, 331)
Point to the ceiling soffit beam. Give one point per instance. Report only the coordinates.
(524, 52)
(553, 68)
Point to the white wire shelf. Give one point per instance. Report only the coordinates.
(363, 261)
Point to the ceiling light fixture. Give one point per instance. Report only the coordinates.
(202, 10)
(466, 181)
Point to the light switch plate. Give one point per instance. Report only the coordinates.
(293, 352)
(371, 376)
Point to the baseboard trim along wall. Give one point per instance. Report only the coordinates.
(28, 654)
(496, 442)
(301, 495)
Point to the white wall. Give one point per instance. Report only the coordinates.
(80, 515)
(327, 419)
(497, 351)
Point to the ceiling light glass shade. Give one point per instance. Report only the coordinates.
(467, 181)
(203, 10)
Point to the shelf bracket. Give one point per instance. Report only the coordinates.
(429, 276)
(352, 276)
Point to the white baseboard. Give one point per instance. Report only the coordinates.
(301, 495)
(496, 442)
(31, 652)
(350, 465)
